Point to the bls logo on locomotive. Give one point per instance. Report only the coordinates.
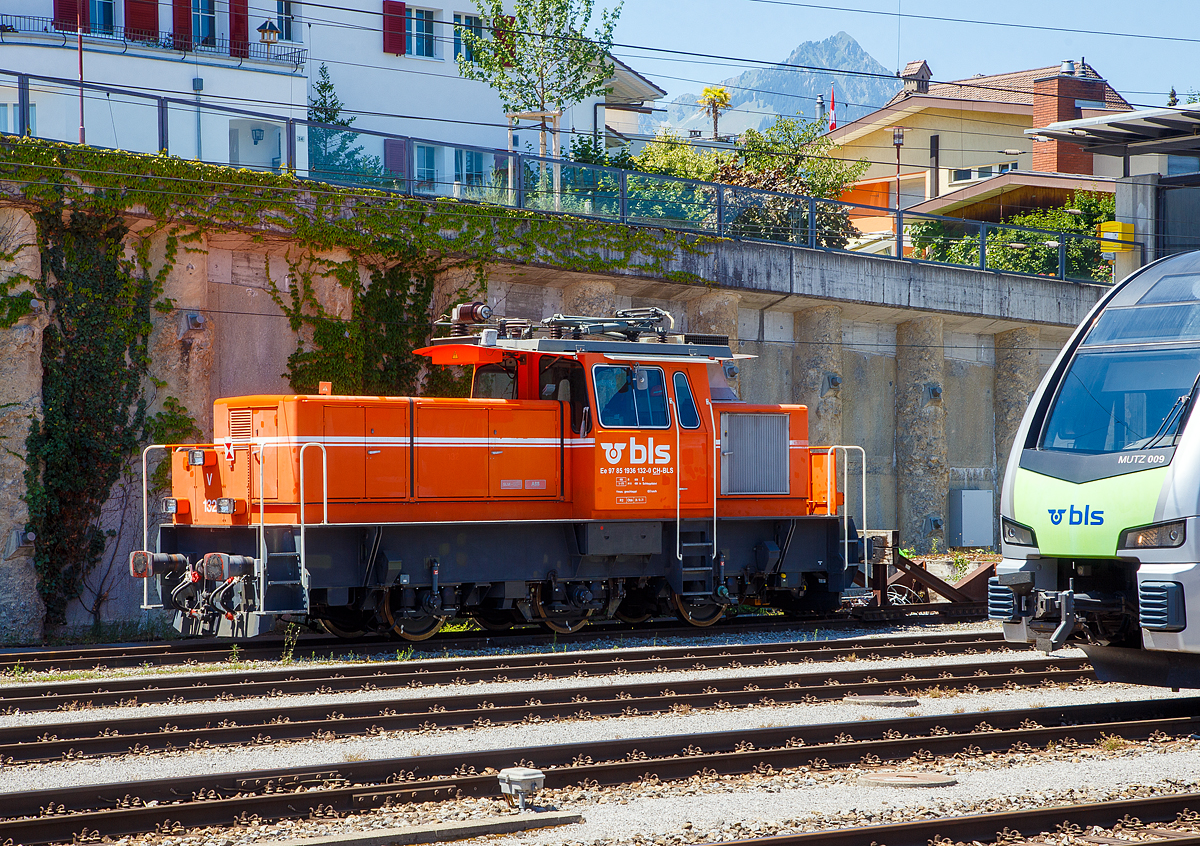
(638, 453)
(1075, 517)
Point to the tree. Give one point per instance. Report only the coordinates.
(540, 58)
(714, 99)
(334, 153)
(791, 157)
(670, 155)
(1172, 97)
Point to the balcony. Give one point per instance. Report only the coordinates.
(26, 25)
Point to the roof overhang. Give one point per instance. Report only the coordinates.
(1011, 181)
(630, 87)
(1136, 133)
(894, 113)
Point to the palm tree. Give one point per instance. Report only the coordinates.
(714, 99)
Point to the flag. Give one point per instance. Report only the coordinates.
(832, 111)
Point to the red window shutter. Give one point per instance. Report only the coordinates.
(503, 33)
(394, 40)
(239, 28)
(141, 20)
(395, 159)
(66, 15)
(181, 24)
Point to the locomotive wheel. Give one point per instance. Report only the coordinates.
(417, 628)
(700, 615)
(633, 616)
(562, 625)
(498, 621)
(343, 629)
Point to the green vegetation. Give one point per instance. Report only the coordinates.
(1022, 251)
(541, 57)
(714, 99)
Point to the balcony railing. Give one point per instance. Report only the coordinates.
(362, 158)
(29, 25)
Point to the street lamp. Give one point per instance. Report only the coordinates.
(898, 142)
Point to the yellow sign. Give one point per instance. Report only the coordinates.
(1117, 236)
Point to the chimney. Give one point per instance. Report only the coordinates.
(916, 76)
(820, 108)
(1060, 97)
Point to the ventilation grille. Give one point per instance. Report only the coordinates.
(754, 454)
(1002, 602)
(241, 424)
(1160, 606)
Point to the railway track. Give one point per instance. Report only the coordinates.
(152, 689)
(211, 651)
(325, 721)
(1135, 816)
(60, 814)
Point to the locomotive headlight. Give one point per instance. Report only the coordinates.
(1016, 534)
(170, 506)
(228, 506)
(195, 458)
(1162, 535)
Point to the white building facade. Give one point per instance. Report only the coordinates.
(228, 81)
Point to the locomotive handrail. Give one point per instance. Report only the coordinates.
(831, 489)
(678, 479)
(324, 493)
(146, 606)
(716, 439)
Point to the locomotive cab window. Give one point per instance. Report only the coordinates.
(495, 381)
(631, 397)
(689, 417)
(563, 379)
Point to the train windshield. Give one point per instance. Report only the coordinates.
(1122, 400)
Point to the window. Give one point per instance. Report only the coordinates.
(631, 397)
(1182, 164)
(419, 28)
(961, 175)
(1007, 166)
(426, 166)
(4, 118)
(685, 404)
(461, 22)
(563, 379)
(1113, 401)
(204, 23)
(102, 15)
(468, 167)
(289, 30)
(494, 381)
(985, 172)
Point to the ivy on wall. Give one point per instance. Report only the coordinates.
(99, 301)
(94, 357)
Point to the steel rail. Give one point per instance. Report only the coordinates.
(209, 650)
(159, 689)
(260, 725)
(1000, 827)
(58, 814)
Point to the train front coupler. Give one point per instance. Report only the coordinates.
(1049, 616)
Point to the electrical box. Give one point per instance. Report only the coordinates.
(1116, 236)
(972, 518)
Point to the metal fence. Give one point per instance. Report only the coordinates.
(11, 25)
(119, 118)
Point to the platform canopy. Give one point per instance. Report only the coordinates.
(1136, 133)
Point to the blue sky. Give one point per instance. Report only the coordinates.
(1143, 69)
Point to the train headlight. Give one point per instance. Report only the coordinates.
(195, 458)
(1162, 535)
(170, 506)
(1016, 534)
(229, 506)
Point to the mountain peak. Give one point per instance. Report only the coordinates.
(759, 95)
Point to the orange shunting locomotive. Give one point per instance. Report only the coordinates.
(602, 467)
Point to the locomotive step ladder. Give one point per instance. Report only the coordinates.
(698, 567)
(284, 584)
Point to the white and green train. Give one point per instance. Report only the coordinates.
(1100, 512)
